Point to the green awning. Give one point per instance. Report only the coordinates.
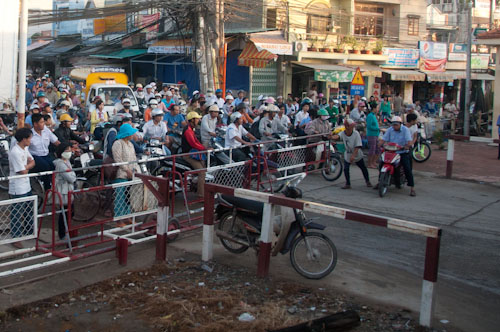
(121, 54)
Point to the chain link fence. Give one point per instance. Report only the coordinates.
(18, 219)
(292, 157)
(232, 175)
(132, 197)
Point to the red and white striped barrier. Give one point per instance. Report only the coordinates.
(432, 233)
(451, 151)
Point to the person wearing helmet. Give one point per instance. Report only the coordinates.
(131, 85)
(168, 100)
(149, 92)
(183, 106)
(65, 95)
(266, 122)
(155, 128)
(64, 132)
(125, 107)
(322, 101)
(357, 114)
(227, 109)
(40, 97)
(234, 137)
(353, 154)
(161, 106)
(50, 94)
(401, 135)
(239, 100)
(110, 137)
(153, 104)
(34, 109)
(208, 125)
(190, 144)
(320, 125)
(218, 98)
(333, 111)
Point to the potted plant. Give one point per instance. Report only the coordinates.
(356, 48)
(340, 48)
(379, 45)
(313, 47)
(365, 48)
(325, 48)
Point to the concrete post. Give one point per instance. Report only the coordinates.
(208, 227)
(449, 157)
(266, 235)
(21, 78)
(496, 100)
(161, 233)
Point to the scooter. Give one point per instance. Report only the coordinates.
(421, 151)
(312, 254)
(390, 164)
(4, 161)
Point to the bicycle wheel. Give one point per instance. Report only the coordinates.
(421, 152)
(229, 226)
(4, 172)
(268, 181)
(86, 204)
(333, 168)
(315, 259)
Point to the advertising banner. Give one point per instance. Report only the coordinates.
(401, 57)
(333, 75)
(479, 61)
(433, 56)
(458, 52)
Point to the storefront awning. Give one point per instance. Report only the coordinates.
(405, 75)
(252, 57)
(38, 44)
(121, 54)
(271, 41)
(329, 73)
(482, 77)
(447, 76)
(171, 46)
(367, 70)
(53, 50)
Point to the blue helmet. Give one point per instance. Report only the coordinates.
(218, 91)
(40, 94)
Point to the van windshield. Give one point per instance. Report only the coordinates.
(112, 95)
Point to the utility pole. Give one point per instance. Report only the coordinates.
(492, 15)
(21, 78)
(201, 59)
(468, 70)
(221, 46)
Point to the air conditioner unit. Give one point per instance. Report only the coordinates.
(300, 46)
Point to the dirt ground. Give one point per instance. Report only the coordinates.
(188, 296)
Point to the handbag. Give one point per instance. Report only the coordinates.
(109, 171)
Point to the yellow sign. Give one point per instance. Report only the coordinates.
(358, 78)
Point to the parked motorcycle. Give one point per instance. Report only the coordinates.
(4, 161)
(422, 149)
(390, 163)
(312, 254)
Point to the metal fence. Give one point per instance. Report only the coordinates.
(18, 219)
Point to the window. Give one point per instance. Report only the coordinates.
(318, 18)
(271, 18)
(368, 20)
(413, 24)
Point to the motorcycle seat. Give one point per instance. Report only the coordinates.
(254, 207)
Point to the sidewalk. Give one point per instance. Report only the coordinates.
(475, 161)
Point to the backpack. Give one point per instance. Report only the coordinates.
(254, 129)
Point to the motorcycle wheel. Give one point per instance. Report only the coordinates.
(268, 182)
(424, 154)
(333, 168)
(86, 204)
(4, 172)
(384, 181)
(38, 190)
(228, 225)
(317, 263)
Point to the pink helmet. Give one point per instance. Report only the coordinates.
(270, 100)
(321, 95)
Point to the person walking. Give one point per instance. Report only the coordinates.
(372, 133)
(353, 153)
(385, 109)
(21, 162)
(65, 182)
(123, 151)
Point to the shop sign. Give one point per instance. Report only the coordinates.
(401, 57)
(376, 91)
(433, 56)
(458, 52)
(333, 75)
(357, 90)
(479, 61)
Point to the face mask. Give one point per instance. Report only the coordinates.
(246, 103)
(324, 117)
(63, 95)
(66, 155)
(126, 107)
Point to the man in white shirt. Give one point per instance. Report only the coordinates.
(281, 123)
(220, 100)
(234, 137)
(208, 125)
(157, 129)
(149, 92)
(20, 162)
(39, 148)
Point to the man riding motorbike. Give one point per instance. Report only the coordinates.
(157, 129)
(191, 144)
(234, 137)
(64, 132)
(319, 125)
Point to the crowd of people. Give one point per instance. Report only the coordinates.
(50, 139)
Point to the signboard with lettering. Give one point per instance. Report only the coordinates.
(357, 90)
(401, 57)
(433, 56)
(333, 75)
(458, 52)
(358, 84)
(479, 61)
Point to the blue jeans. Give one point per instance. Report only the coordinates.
(21, 217)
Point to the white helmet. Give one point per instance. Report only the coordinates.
(153, 102)
(148, 87)
(156, 112)
(396, 119)
(126, 100)
(235, 116)
(229, 97)
(272, 108)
